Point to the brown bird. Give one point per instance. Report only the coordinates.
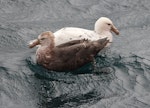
(68, 56)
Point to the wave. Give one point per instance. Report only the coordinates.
(115, 76)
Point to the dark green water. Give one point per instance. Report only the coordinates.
(121, 78)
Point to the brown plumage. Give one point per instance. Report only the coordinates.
(67, 56)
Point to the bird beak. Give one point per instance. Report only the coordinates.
(34, 43)
(115, 30)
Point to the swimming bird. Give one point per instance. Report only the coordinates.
(103, 28)
(67, 56)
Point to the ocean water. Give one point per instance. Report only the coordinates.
(121, 78)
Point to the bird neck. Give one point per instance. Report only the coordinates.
(46, 47)
(104, 33)
(49, 44)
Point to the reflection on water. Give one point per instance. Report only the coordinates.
(120, 78)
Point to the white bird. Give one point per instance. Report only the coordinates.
(103, 28)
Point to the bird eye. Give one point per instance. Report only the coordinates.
(108, 24)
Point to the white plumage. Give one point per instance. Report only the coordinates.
(103, 28)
